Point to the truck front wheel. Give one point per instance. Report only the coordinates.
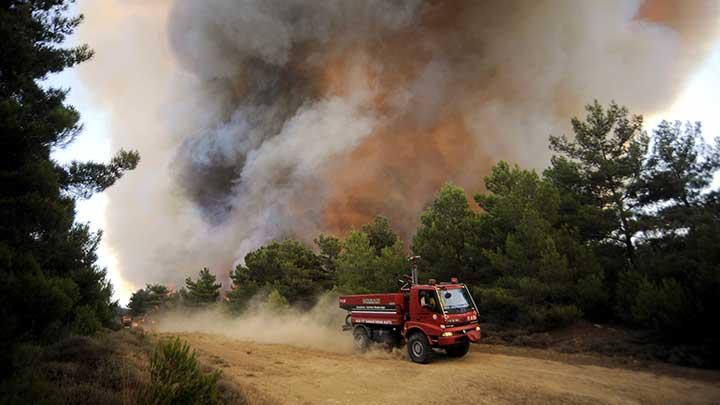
(458, 350)
(419, 348)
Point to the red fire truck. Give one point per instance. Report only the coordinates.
(425, 316)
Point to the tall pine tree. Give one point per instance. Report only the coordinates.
(49, 282)
(600, 169)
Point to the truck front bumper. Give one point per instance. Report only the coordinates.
(460, 335)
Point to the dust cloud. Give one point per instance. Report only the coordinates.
(318, 328)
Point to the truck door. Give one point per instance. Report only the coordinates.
(427, 307)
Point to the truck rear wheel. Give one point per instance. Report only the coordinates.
(419, 348)
(458, 350)
(361, 339)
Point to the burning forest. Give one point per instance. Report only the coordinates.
(259, 120)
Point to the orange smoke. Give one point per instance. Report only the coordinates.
(396, 171)
(686, 17)
(398, 168)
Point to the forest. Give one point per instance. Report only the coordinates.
(621, 227)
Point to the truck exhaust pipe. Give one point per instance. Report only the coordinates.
(414, 276)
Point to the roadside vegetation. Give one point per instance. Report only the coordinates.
(110, 368)
(119, 367)
(59, 341)
(622, 228)
(176, 378)
(52, 292)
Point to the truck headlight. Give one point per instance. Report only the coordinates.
(477, 328)
(447, 334)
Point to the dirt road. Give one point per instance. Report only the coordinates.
(274, 373)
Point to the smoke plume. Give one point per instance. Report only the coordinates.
(260, 119)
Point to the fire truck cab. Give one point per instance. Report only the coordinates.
(442, 316)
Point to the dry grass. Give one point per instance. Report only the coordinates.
(109, 369)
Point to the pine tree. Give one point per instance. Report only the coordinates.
(148, 298)
(449, 239)
(288, 266)
(330, 248)
(379, 234)
(138, 302)
(544, 276)
(677, 173)
(600, 168)
(675, 288)
(49, 282)
(204, 290)
(361, 269)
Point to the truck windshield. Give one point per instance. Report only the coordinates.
(455, 300)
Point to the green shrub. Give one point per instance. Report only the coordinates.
(593, 296)
(627, 290)
(176, 378)
(239, 298)
(79, 349)
(665, 306)
(553, 316)
(276, 302)
(25, 384)
(497, 305)
(519, 303)
(86, 321)
(107, 369)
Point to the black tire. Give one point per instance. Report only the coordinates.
(458, 350)
(348, 320)
(361, 339)
(419, 348)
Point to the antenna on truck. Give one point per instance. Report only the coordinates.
(413, 260)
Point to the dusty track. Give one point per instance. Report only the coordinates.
(291, 375)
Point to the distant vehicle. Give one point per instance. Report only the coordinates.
(423, 316)
(126, 321)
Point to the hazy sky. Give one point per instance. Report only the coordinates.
(699, 102)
